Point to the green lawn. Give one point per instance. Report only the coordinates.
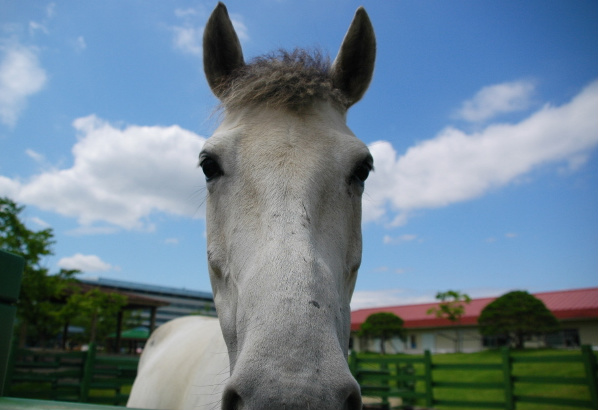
(44, 391)
(566, 370)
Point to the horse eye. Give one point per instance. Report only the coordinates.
(210, 168)
(362, 171)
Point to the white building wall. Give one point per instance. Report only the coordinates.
(588, 331)
(442, 340)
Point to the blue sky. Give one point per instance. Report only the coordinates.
(482, 118)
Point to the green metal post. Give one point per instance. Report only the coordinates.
(385, 370)
(353, 363)
(12, 358)
(589, 363)
(88, 367)
(11, 272)
(428, 376)
(507, 368)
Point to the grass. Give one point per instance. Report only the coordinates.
(44, 391)
(564, 370)
(563, 391)
(567, 370)
(49, 379)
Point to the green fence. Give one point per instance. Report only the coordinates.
(89, 377)
(389, 378)
(86, 376)
(587, 358)
(70, 376)
(11, 269)
(420, 380)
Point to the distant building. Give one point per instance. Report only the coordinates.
(180, 302)
(576, 310)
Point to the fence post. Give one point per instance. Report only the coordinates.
(507, 367)
(428, 378)
(12, 358)
(88, 366)
(384, 368)
(11, 273)
(353, 363)
(589, 363)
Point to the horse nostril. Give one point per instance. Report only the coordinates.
(231, 400)
(353, 402)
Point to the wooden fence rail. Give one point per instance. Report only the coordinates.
(70, 376)
(396, 377)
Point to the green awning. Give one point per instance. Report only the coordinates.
(140, 332)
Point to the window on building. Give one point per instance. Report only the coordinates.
(413, 342)
(563, 338)
(495, 341)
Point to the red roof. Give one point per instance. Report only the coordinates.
(565, 304)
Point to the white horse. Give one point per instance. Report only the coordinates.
(284, 177)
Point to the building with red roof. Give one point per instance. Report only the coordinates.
(576, 309)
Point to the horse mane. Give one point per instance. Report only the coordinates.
(293, 80)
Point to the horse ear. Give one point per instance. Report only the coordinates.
(353, 67)
(222, 51)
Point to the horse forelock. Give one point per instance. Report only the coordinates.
(292, 80)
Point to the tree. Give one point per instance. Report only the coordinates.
(47, 302)
(384, 325)
(452, 307)
(94, 310)
(38, 307)
(516, 315)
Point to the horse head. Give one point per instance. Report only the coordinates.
(285, 177)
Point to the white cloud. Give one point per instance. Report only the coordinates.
(456, 166)
(34, 27)
(401, 297)
(20, 77)
(181, 13)
(393, 240)
(9, 187)
(51, 10)
(389, 297)
(240, 27)
(85, 263)
(95, 230)
(40, 222)
(386, 269)
(36, 156)
(119, 177)
(79, 44)
(188, 37)
(497, 99)
(574, 163)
